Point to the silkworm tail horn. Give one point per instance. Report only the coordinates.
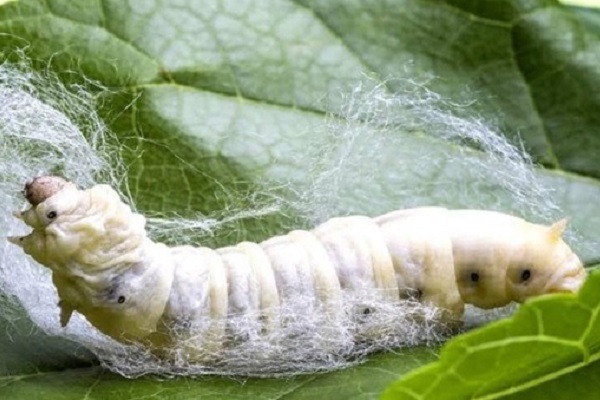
(42, 188)
(16, 240)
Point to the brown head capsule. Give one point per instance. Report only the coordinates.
(43, 187)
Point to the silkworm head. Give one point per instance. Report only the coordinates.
(41, 188)
(93, 243)
(44, 218)
(83, 227)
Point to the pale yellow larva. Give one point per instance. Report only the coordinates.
(106, 268)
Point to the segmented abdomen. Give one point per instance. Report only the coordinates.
(389, 257)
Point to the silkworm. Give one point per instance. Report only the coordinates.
(105, 267)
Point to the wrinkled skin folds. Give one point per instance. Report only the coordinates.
(106, 268)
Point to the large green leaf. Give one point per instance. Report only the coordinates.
(362, 382)
(213, 98)
(550, 346)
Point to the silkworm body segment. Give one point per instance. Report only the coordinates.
(133, 289)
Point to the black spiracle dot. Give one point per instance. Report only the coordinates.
(525, 275)
(121, 299)
(474, 277)
(51, 215)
